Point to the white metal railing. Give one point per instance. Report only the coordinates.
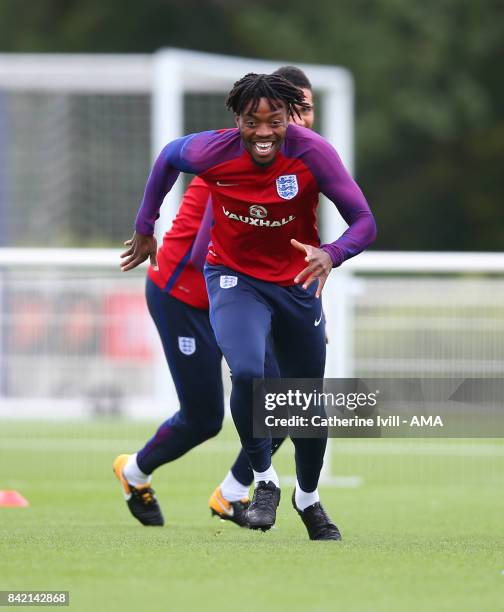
(389, 314)
(369, 262)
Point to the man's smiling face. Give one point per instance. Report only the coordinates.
(263, 130)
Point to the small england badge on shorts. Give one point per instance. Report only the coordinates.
(226, 282)
(287, 186)
(187, 346)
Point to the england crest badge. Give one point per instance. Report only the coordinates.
(227, 282)
(287, 186)
(186, 345)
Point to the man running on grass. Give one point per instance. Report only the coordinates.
(265, 267)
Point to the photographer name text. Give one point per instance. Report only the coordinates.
(347, 422)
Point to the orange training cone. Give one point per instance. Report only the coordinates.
(12, 499)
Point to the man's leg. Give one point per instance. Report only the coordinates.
(299, 334)
(241, 476)
(241, 323)
(241, 470)
(301, 351)
(194, 360)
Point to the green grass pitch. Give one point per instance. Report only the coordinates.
(424, 530)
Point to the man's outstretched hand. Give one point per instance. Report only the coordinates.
(139, 248)
(318, 268)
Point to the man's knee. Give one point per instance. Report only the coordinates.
(206, 428)
(210, 430)
(245, 370)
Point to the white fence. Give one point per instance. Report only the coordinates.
(76, 338)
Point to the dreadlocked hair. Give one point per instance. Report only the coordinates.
(252, 87)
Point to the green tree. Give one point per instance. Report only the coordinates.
(430, 121)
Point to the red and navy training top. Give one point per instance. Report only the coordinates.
(258, 209)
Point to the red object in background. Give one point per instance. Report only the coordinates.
(80, 319)
(12, 499)
(31, 318)
(128, 332)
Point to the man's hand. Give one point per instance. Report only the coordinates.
(139, 248)
(318, 268)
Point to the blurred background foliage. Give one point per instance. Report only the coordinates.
(429, 90)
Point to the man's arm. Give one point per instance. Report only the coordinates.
(164, 173)
(170, 162)
(335, 182)
(193, 154)
(190, 218)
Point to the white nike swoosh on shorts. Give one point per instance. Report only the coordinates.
(317, 321)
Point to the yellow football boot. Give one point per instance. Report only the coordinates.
(141, 501)
(229, 511)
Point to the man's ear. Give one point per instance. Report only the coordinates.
(237, 120)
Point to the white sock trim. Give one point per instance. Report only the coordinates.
(134, 474)
(304, 499)
(268, 475)
(232, 490)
